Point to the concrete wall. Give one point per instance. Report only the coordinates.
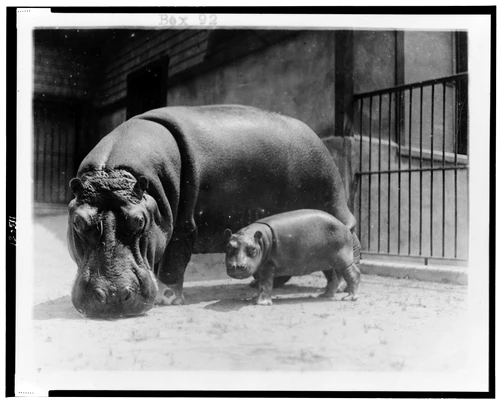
(294, 77)
(428, 55)
(374, 60)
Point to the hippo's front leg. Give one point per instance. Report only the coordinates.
(171, 272)
(265, 282)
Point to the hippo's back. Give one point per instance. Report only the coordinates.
(235, 165)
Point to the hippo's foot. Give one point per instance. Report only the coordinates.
(264, 301)
(351, 296)
(169, 296)
(261, 300)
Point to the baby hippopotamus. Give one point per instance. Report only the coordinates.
(294, 243)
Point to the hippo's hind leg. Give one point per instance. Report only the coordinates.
(352, 275)
(171, 272)
(332, 283)
(341, 284)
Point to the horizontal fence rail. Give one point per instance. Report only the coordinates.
(412, 177)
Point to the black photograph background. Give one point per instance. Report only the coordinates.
(387, 94)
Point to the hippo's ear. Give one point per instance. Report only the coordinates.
(227, 234)
(257, 236)
(141, 185)
(76, 186)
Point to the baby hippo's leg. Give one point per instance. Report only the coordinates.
(265, 288)
(352, 275)
(332, 283)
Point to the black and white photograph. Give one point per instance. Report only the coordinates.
(216, 201)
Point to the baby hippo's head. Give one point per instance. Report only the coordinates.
(244, 251)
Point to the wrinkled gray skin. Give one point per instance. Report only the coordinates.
(165, 184)
(294, 243)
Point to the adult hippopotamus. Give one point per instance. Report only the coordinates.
(164, 185)
(294, 243)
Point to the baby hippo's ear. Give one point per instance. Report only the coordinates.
(228, 234)
(257, 236)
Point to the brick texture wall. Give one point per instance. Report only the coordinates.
(61, 71)
(183, 48)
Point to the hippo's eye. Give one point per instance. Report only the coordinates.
(251, 251)
(137, 222)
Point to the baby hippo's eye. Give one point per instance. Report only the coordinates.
(251, 251)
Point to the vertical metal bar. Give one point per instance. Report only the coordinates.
(360, 166)
(421, 175)
(432, 166)
(370, 176)
(389, 178)
(379, 163)
(409, 173)
(399, 186)
(443, 228)
(455, 146)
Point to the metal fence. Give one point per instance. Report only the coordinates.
(412, 178)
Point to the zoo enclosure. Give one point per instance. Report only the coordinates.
(412, 180)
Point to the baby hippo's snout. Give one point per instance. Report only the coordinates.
(238, 271)
(243, 254)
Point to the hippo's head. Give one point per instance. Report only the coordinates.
(115, 237)
(244, 253)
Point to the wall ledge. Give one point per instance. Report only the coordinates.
(442, 274)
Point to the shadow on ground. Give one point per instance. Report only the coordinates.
(227, 297)
(60, 308)
(227, 305)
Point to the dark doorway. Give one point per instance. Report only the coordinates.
(147, 88)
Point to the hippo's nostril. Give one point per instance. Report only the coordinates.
(100, 295)
(125, 294)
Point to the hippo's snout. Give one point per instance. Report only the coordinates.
(122, 296)
(238, 271)
(112, 303)
(101, 298)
